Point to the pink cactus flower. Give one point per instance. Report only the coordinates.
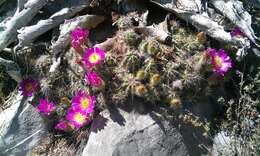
(62, 125)
(46, 107)
(78, 37)
(220, 61)
(83, 103)
(93, 79)
(236, 32)
(93, 56)
(28, 87)
(77, 119)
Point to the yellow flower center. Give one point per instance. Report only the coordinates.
(84, 102)
(79, 118)
(94, 58)
(218, 61)
(29, 87)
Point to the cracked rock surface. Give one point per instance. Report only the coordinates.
(117, 132)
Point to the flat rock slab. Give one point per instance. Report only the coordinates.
(117, 133)
(21, 128)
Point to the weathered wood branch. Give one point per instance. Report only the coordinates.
(28, 34)
(203, 23)
(106, 45)
(20, 5)
(21, 19)
(158, 34)
(234, 11)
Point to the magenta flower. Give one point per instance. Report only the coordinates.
(83, 103)
(78, 37)
(220, 61)
(236, 32)
(93, 56)
(93, 79)
(76, 118)
(28, 86)
(62, 125)
(46, 107)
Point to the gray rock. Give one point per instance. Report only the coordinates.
(21, 128)
(120, 133)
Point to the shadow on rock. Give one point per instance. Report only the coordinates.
(99, 124)
(116, 116)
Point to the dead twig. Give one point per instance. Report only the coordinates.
(20, 19)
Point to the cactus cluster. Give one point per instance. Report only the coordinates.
(137, 66)
(158, 73)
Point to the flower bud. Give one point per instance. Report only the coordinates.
(202, 38)
(140, 75)
(140, 90)
(155, 79)
(93, 79)
(153, 48)
(176, 103)
(65, 100)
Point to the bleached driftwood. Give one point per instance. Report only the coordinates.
(21, 19)
(20, 5)
(28, 34)
(86, 21)
(202, 23)
(106, 45)
(234, 11)
(188, 5)
(157, 33)
(12, 69)
(144, 19)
